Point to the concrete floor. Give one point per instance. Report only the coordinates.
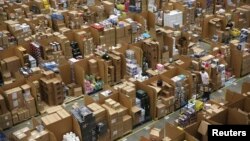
(143, 130)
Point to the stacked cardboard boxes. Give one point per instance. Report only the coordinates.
(4, 41)
(101, 119)
(245, 64)
(119, 122)
(57, 117)
(29, 99)
(14, 98)
(151, 52)
(6, 120)
(11, 64)
(3, 107)
(28, 134)
(84, 123)
(51, 88)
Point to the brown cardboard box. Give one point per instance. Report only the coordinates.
(5, 120)
(60, 119)
(12, 63)
(5, 117)
(168, 101)
(127, 124)
(112, 115)
(30, 103)
(156, 134)
(135, 113)
(3, 106)
(15, 119)
(78, 91)
(14, 97)
(39, 136)
(161, 110)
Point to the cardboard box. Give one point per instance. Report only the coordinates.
(30, 104)
(6, 124)
(60, 118)
(135, 113)
(156, 134)
(14, 97)
(161, 110)
(127, 124)
(12, 63)
(3, 106)
(168, 101)
(39, 136)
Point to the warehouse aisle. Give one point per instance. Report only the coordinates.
(217, 96)
(144, 129)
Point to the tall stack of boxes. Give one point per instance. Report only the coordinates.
(118, 120)
(84, 121)
(16, 104)
(57, 117)
(29, 99)
(151, 52)
(102, 124)
(51, 88)
(4, 41)
(5, 115)
(181, 90)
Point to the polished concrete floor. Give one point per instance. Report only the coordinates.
(143, 130)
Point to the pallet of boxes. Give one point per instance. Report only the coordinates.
(20, 103)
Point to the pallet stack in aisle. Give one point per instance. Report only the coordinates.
(51, 88)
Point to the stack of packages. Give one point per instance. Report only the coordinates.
(5, 115)
(11, 64)
(151, 51)
(117, 65)
(58, 21)
(137, 112)
(75, 49)
(101, 121)
(20, 31)
(188, 116)
(36, 51)
(38, 96)
(165, 103)
(245, 63)
(131, 63)
(26, 133)
(51, 88)
(180, 90)
(218, 72)
(16, 104)
(57, 117)
(29, 99)
(4, 41)
(120, 123)
(84, 119)
(227, 53)
(123, 34)
(143, 101)
(75, 19)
